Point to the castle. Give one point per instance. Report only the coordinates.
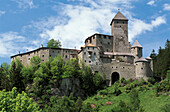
(112, 55)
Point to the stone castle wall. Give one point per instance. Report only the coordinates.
(45, 53)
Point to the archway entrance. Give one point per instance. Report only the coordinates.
(115, 77)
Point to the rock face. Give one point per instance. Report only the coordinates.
(67, 86)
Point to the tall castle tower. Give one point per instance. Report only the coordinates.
(119, 31)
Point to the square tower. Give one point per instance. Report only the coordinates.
(119, 30)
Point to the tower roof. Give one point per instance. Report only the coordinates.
(149, 58)
(142, 60)
(136, 44)
(119, 16)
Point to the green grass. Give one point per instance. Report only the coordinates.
(147, 97)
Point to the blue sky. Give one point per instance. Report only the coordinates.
(26, 24)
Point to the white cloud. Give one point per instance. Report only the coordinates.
(9, 43)
(25, 4)
(138, 26)
(152, 2)
(76, 22)
(80, 21)
(166, 6)
(2, 12)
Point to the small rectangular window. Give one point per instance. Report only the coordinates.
(89, 61)
(90, 53)
(42, 55)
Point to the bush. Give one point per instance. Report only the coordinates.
(12, 101)
(87, 108)
(149, 84)
(168, 75)
(123, 80)
(151, 80)
(103, 92)
(134, 100)
(142, 81)
(166, 108)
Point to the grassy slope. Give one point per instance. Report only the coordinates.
(147, 97)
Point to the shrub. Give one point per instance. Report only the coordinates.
(168, 75)
(12, 101)
(87, 108)
(142, 81)
(134, 100)
(151, 80)
(166, 108)
(123, 80)
(156, 90)
(103, 92)
(149, 84)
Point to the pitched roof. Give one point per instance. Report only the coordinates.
(142, 60)
(136, 44)
(90, 45)
(119, 16)
(149, 58)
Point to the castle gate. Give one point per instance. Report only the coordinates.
(115, 77)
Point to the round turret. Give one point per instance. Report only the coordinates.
(141, 68)
(149, 59)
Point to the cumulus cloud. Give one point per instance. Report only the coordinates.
(166, 6)
(9, 43)
(2, 12)
(152, 2)
(77, 22)
(138, 26)
(25, 4)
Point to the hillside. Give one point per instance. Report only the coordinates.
(152, 97)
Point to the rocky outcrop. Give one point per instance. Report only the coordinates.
(67, 86)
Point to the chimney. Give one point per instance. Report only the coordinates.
(19, 52)
(41, 45)
(27, 50)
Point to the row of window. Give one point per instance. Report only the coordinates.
(105, 37)
(122, 67)
(64, 51)
(120, 22)
(90, 53)
(104, 43)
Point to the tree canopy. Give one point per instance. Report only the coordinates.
(161, 61)
(54, 43)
